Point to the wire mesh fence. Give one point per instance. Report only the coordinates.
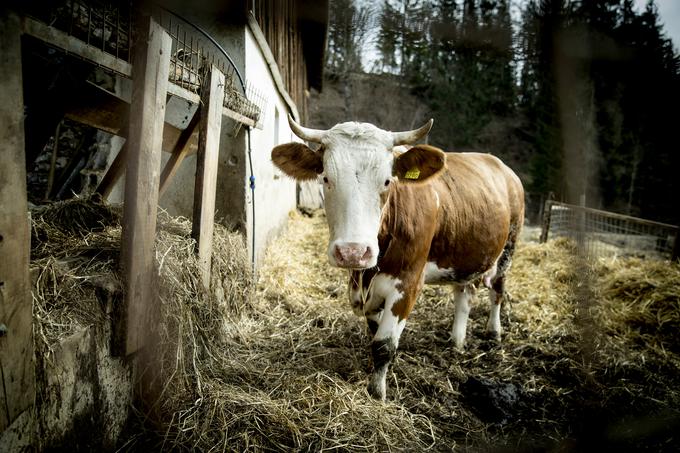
(105, 25)
(600, 233)
(110, 27)
(193, 53)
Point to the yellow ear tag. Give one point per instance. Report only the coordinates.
(413, 173)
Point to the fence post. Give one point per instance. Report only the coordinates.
(210, 124)
(147, 112)
(17, 392)
(545, 226)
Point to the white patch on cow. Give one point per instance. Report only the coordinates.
(493, 325)
(436, 198)
(375, 316)
(433, 273)
(463, 294)
(357, 161)
(384, 287)
(390, 327)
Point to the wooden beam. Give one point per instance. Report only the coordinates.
(114, 173)
(75, 46)
(179, 153)
(238, 117)
(206, 170)
(150, 79)
(16, 311)
(108, 112)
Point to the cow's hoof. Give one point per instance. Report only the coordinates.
(459, 343)
(376, 392)
(493, 335)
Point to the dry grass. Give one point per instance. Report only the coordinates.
(589, 353)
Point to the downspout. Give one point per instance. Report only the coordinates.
(252, 199)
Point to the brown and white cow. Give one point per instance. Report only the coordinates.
(400, 219)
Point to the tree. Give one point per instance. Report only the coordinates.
(348, 29)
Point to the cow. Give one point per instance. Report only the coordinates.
(401, 218)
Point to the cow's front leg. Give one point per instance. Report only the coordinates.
(389, 323)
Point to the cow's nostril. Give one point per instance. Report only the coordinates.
(338, 254)
(368, 254)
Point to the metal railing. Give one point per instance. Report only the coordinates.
(602, 233)
(105, 25)
(110, 27)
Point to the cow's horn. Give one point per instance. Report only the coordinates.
(311, 135)
(410, 137)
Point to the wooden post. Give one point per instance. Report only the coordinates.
(17, 393)
(113, 174)
(206, 169)
(179, 152)
(151, 67)
(545, 227)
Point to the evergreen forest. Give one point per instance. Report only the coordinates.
(580, 97)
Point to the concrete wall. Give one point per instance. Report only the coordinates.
(275, 194)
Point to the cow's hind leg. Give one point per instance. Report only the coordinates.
(462, 296)
(497, 287)
(496, 295)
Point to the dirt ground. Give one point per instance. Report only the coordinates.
(583, 364)
(589, 361)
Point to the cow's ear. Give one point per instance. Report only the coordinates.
(298, 161)
(419, 163)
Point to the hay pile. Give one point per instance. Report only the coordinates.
(74, 248)
(588, 354)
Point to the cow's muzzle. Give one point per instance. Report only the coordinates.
(353, 255)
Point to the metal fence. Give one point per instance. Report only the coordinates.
(109, 25)
(602, 233)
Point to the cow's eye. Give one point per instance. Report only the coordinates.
(325, 180)
(387, 182)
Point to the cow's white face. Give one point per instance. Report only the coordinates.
(357, 170)
(357, 167)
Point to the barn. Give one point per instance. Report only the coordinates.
(159, 291)
(167, 104)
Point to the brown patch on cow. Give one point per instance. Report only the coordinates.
(298, 161)
(427, 161)
(481, 209)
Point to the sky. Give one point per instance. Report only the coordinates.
(669, 12)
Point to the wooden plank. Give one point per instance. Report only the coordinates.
(179, 153)
(150, 80)
(114, 173)
(75, 46)
(108, 112)
(16, 336)
(183, 93)
(238, 117)
(206, 170)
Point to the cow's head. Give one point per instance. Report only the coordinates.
(358, 166)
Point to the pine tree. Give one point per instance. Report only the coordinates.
(348, 28)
